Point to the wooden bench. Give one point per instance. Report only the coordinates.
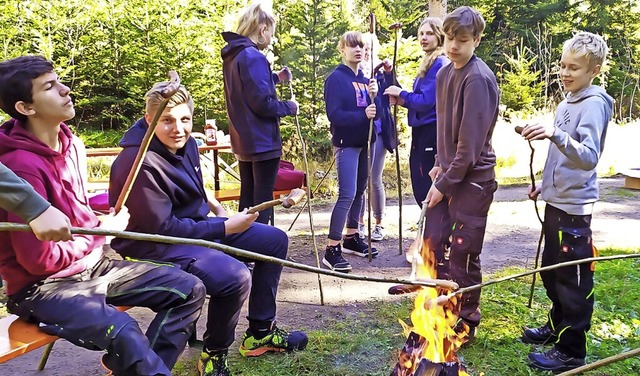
(18, 337)
(632, 178)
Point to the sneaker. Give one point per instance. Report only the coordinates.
(554, 360)
(539, 336)
(333, 259)
(378, 233)
(357, 246)
(213, 364)
(362, 231)
(277, 340)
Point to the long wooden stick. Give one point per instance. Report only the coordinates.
(294, 197)
(443, 298)
(309, 194)
(532, 176)
(8, 226)
(372, 30)
(395, 27)
(167, 93)
(602, 362)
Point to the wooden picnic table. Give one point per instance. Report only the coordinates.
(214, 149)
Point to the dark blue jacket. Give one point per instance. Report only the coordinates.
(346, 97)
(387, 131)
(167, 197)
(421, 103)
(252, 102)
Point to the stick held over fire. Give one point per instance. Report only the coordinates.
(294, 197)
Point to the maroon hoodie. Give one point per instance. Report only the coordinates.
(56, 176)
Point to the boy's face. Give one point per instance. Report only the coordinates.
(174, 126)
(575, 72)
(460, 48)
(51, 100)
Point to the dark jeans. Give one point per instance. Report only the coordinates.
(566, 238)
(455, 230)
(229, 282)
(81, 310)
(421, 160)
(257, 180)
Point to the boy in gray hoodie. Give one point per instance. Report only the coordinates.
(569, 187)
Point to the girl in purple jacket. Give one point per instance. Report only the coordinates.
(421, 106)
(253, 107)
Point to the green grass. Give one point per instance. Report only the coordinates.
(367, 343)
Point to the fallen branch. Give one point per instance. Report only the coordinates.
(7, 226)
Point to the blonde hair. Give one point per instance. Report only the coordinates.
(153, 98)
(351, 39)
(590, 45)
(252, 18)
(464, 19)
(367, 37)
(430, 57)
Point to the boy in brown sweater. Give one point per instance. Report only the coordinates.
(467, 100)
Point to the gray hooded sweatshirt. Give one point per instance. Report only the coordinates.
(569, 178)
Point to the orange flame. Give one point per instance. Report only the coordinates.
(431, 321)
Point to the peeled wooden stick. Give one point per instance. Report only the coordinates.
(294, 197)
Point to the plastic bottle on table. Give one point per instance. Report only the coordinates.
(210, 130)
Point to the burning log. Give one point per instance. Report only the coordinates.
(411, 361)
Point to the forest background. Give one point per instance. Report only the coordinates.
(110, 52)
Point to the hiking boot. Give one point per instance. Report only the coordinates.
(357, 246)
(554, 360)
(277, 340)
(333, 259)
(539, 336)
(214, 364)
(378, 233)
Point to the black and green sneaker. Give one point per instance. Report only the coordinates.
(213, 364)
(277, 340)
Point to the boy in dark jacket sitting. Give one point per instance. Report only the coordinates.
(169, 198)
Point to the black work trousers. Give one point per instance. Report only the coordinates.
(570, 289)
(455, 230)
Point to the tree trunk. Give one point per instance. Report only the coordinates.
(437, 8)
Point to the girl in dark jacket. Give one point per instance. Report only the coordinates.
(349, 110)
(421, 105)
(253, 107)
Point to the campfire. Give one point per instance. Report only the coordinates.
(431, 345)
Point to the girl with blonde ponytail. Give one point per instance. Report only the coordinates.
(253, 106)
(421, 106)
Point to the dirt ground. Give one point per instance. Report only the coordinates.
(511, 240)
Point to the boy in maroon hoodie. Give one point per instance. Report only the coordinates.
(68, 287)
